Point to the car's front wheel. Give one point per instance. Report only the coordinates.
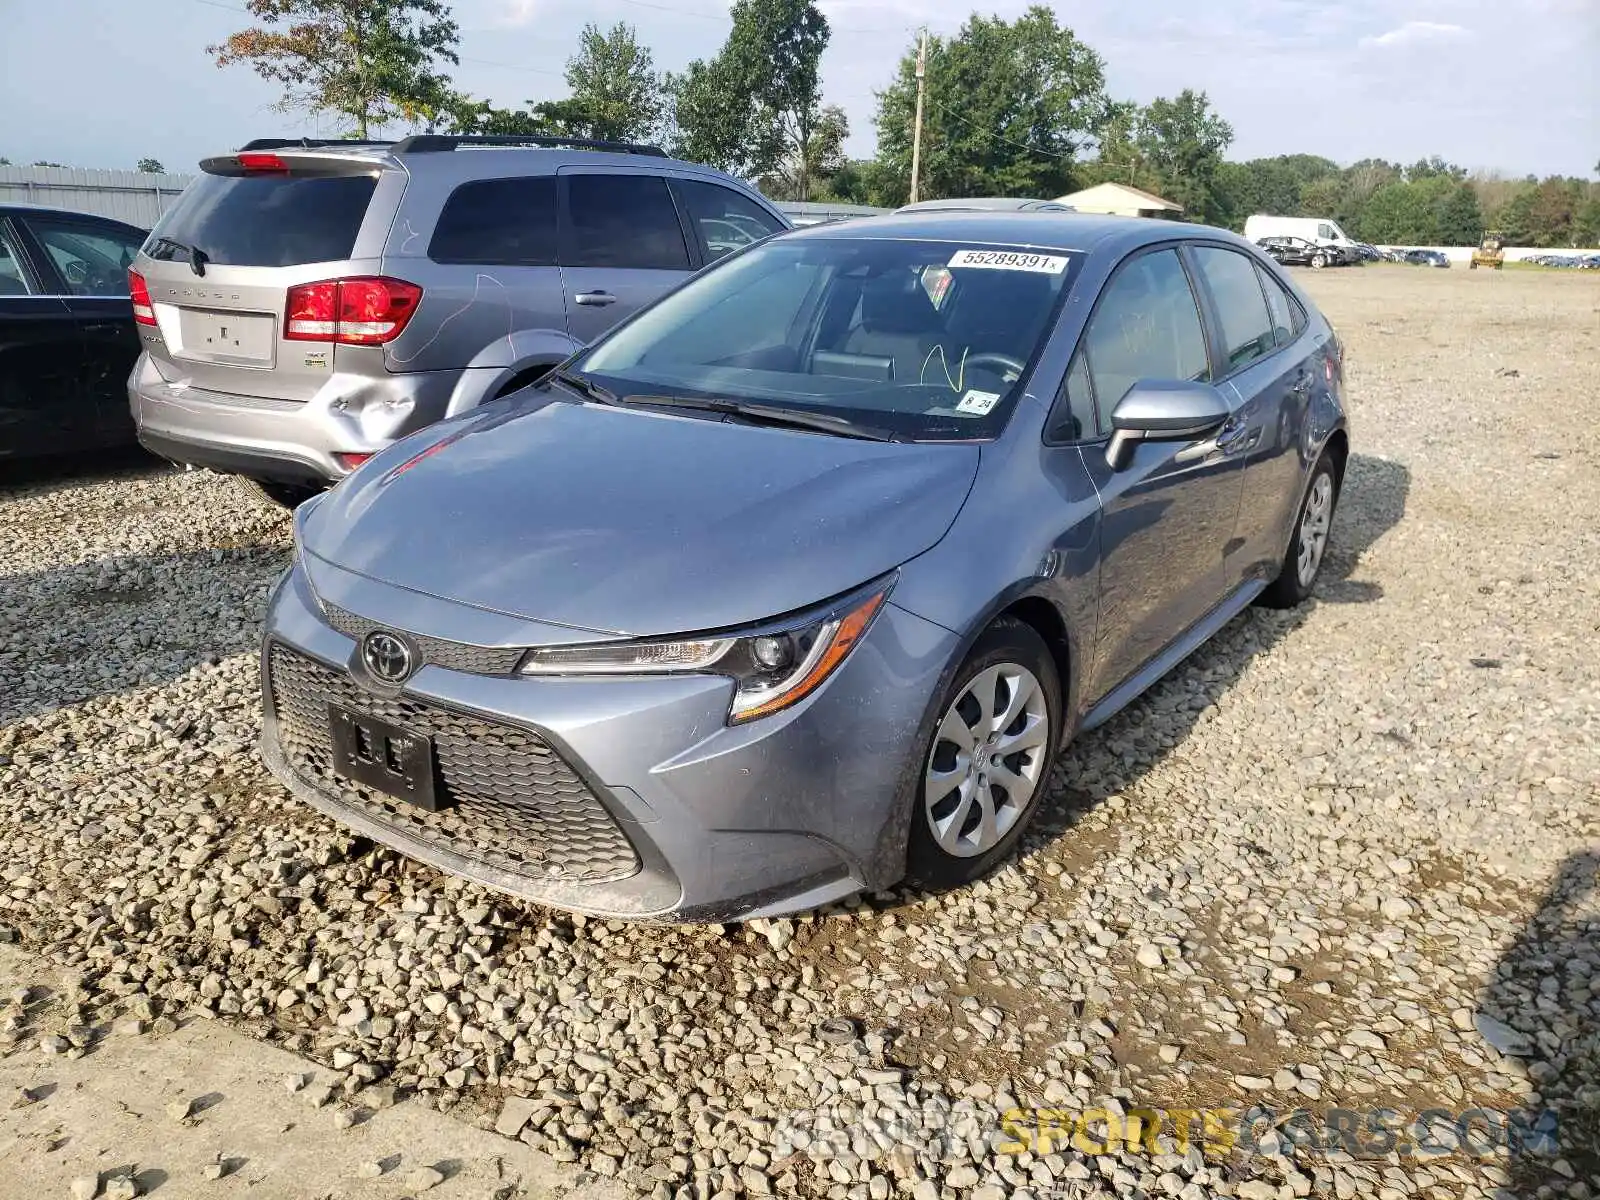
(1303, 562)
(986, 759)
(1319, 261)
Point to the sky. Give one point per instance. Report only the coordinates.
(1507, 85)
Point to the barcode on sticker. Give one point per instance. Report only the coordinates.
(1010, 260)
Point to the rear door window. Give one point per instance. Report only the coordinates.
(13, 279)
(265, 220)
(626, 221)
(93, 259)
(498, 222)
(722, 219)
(1241, 308)
(1287, 318)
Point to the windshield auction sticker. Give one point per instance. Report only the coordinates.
(1010, 260)
(977, 403)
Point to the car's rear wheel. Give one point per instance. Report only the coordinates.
(284, 495)
(986, 759)
(1303, 562)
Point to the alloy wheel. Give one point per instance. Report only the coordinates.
(1314, 524)
(987, 761)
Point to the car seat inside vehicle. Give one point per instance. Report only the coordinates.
(898, 323)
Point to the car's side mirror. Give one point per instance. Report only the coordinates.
(1163, 410)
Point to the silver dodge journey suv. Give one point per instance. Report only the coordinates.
(306, 303)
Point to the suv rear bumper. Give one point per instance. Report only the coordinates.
(287, 440)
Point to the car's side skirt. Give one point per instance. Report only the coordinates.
(1192, 639)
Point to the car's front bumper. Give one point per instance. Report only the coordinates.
(288, 440)
(779, 815)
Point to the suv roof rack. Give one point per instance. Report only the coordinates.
(308, 143)
(429, 143)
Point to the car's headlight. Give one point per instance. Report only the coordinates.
(773, 667)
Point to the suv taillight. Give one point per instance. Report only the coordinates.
(144, 313)
(365, 311)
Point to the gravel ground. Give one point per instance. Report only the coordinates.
(1344, 857)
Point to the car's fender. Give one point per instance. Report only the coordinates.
(520, 354)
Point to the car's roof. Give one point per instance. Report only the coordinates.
(22, 206)
(1050, 230)
(473, 162)
(986, 204)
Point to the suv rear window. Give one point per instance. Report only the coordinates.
(501, 222)
(265, 220)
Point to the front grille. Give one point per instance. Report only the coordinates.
(516, 805)
(453, 656)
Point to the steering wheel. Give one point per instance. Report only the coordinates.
(76, 271)
(993, 359)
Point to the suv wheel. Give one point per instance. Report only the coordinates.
(986, 759)
(283, 495)
(1309, 545)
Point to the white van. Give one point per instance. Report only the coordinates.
(1321, 230)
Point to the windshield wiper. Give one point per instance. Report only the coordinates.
(587, 388)
(198, 258)
(771, 414)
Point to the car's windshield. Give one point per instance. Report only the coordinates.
(925, 339)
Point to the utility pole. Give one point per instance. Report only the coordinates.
(916, 130)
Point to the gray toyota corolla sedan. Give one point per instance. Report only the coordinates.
(794, 584)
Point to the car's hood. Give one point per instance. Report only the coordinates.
(630, 522)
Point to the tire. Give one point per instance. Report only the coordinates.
(1318, 261)
(1008, 654)
(282, 495)
(1312, 526)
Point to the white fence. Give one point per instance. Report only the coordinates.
(137, 197)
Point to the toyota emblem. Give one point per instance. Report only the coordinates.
(386, 656)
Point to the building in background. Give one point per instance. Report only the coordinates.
(137, 197)
(1120, 200)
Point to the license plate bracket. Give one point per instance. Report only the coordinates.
(396, 761)
(244, 338)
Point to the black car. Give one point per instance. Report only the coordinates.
(1298, 252)
(67, 337)
(1427, 258)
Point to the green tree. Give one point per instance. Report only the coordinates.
(1398, 213)
(1551, 213)
(151, 166)
(1431, 168)
(616, 93)
(1275, 186)
(800, 178)
(1458, 218)
(1586, 221)
(863, 181)
(1011, 106)
(1181, 140)
(759, 101)
(366, 60)
(706, 119)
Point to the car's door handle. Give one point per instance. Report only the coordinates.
(1230, 439)
(596, 299)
